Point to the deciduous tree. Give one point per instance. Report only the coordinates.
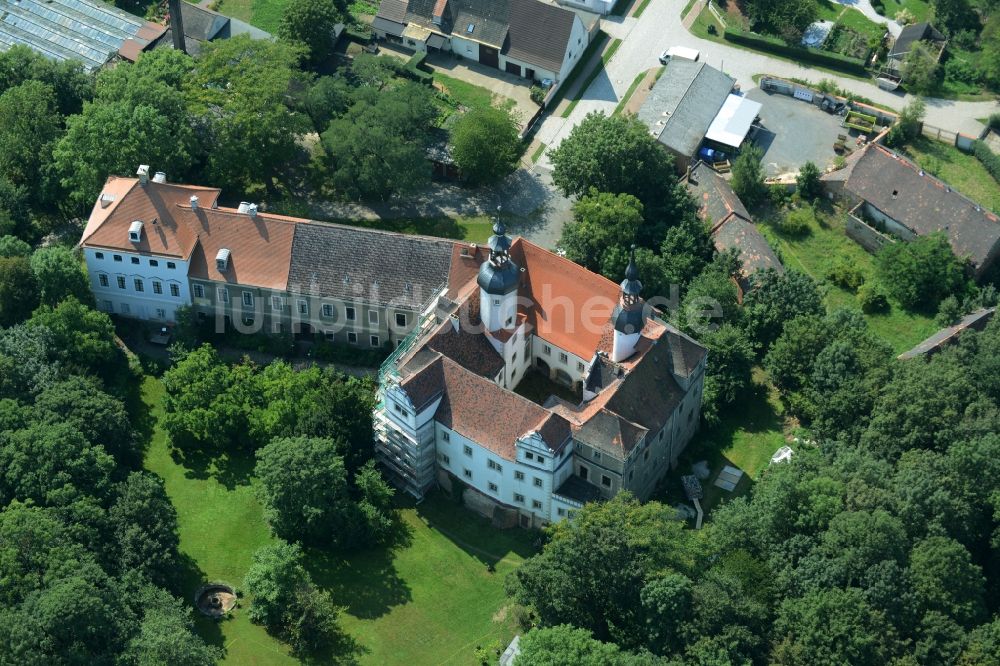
(485, 144)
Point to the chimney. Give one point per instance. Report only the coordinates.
(243, 207)
(177, 24)
(159, 177)
(252, 210)
(143, 173)
(194, 202)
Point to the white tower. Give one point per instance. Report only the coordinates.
(628, 316)
(498, 283)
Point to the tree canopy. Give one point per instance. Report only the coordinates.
(485, 144)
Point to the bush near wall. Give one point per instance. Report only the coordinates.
(778, 46)
(987, 158)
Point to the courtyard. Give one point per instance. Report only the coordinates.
(795, 132)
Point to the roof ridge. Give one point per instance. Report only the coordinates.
(560, 258)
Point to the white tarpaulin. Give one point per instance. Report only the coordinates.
(733, 121)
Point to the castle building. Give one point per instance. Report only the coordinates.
(454, 410)
(518, 378)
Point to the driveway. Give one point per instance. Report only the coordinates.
(865, 7)
(795, 132)
(499, 83)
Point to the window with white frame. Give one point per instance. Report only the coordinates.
(327, 310)
(99, 255)
(580, 366)
(561, 511)
(547, 350)
(519, 476)
(605, 480)
(276, 327)
(199, 291)
(400, 320)
(175, 290)
(541, 459)
(330, 336)
(171, 265)
(445, 459)
(109, 306)
(102, 279)
(467, 450)
(493, 487)
(277, 303)
(154, 263)
(117, 257)
(446, 436)
(121, 281)
(519, 498)
(303, 306)
(157, 287)
(247, 299)
(563, 357)
(161, 313)
(139, 285)
(373, 317)
(126, 309)
(350, 313)
(467, 473)
(492, 464)
(374, 341)
(538, 482)
(535, 504)
(352, 337)
(135, 260)
(223, 295)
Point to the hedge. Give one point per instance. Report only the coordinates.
(778, 46)
(987, 158)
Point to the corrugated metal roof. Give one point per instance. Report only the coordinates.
(91, 32)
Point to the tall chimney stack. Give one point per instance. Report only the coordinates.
(177, 24)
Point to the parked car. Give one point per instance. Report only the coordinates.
(679, 52)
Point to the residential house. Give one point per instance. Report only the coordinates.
(529, 38)
(450, 414)
(891, 197)
(688, 100)
(910, 35)
(153, 246)
(88, 31)
(730, 222)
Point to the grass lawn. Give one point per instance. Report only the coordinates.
(265, 14)
(918, 8)
(537, 153)
(960, 170)
(687, 8)
(475, 229)
(466, 94)
(816, 252)
(746, 437)
(642, 7)
(431, 600)
(628, 93)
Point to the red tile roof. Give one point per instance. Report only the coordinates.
(482, 411)
(156, 205)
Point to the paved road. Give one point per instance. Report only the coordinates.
(660, 27)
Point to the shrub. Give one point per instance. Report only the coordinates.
(949, 312)
(538, 95)
(798, 222)
(416, 60)
(845, 274)
(872, 298)
(994, 121)
(808, 182)
(921, 273)
(779, 46)
(905, 17)
(986, 157)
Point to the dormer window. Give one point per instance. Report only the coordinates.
(135, 231)
(470, 29)
(222, 260)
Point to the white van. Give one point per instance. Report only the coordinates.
(679, 52)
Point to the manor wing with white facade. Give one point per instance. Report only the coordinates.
(448, 412)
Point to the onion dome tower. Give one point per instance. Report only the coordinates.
(628, 315)
(498, 278)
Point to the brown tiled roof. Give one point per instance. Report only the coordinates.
(539, 33)
(470, 350)
(260, 246)
(608, 432)
(649, 393)
(156, 204)
(715, 198)
(482, 411)
(571, 306)
(393, 10)
(755, 252)
(924, 204)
